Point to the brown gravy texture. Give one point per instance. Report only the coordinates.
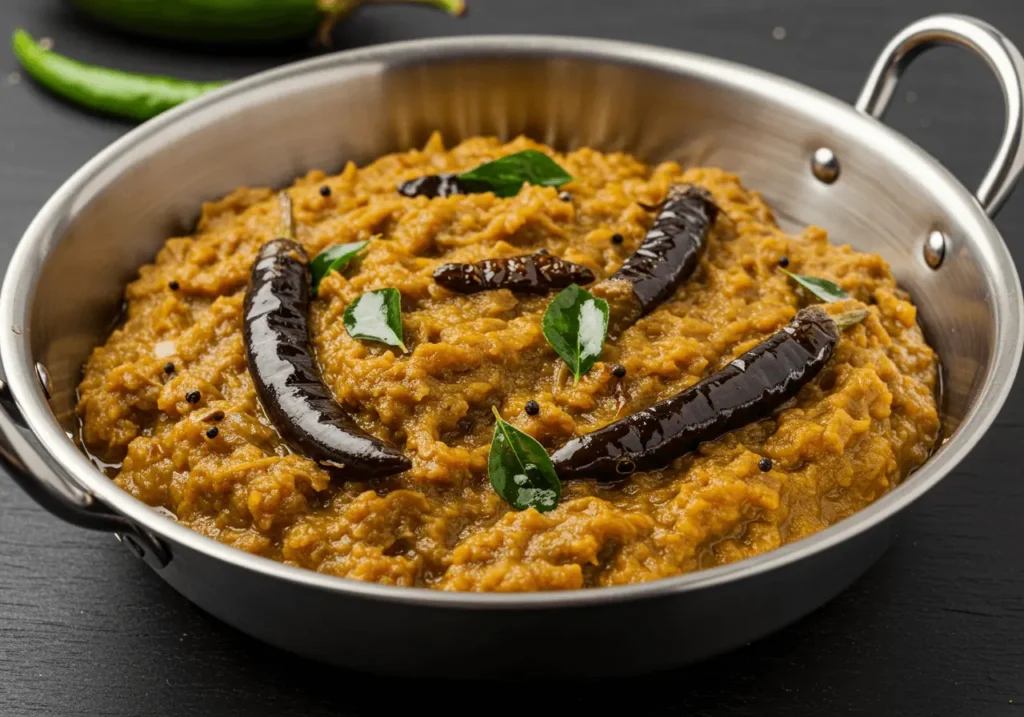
(851, 435)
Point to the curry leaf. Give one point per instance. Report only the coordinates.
(575, 324)
(333, 259)
(505, 176)
(520, 469)
(822, 288)
(376, 315)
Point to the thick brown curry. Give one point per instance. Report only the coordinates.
(862, 425)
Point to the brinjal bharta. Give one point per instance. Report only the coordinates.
(285, 373)
(530, 273)
(667, 257)
(748, 389)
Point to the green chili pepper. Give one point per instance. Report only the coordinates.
(234, 21)
(127, 94)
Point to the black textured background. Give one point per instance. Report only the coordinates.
(936, 628)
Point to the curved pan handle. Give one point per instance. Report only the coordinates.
(62, 497)
(1000, 54)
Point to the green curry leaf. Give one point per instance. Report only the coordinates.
(506, 176)
(575, 324)
(376, 315)
(520, 469)
(333, 259)
(822, 288)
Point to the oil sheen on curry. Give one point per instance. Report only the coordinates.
(498, 367)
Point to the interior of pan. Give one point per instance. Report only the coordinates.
(66, 281)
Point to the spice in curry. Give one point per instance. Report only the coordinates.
(866, 420)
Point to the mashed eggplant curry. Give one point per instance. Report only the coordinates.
(497, 367)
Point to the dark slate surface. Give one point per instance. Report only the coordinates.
(936, 628)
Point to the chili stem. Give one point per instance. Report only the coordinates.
(452, 7)
(287, 225)
(334, 10)
(850, 318)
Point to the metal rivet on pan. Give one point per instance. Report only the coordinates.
(935, 249)
(128, 541)
(147, 547)
(825, 165)
(44, 379)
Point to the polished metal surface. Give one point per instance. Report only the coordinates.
(65, 283)
(1000, 54)
(935, 249)
(54, 490)
(825, 165)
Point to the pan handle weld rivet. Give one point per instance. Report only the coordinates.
(44, 380)
(825, 165)
(935, 249)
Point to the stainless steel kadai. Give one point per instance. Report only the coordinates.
(816, 160)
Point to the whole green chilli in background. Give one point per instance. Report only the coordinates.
(235, 21)
(101, 89)
(138, 96)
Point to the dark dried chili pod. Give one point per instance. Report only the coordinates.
(668, 256)
(440, 185)
(748, 389)
(533, 273)
(287, 379)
